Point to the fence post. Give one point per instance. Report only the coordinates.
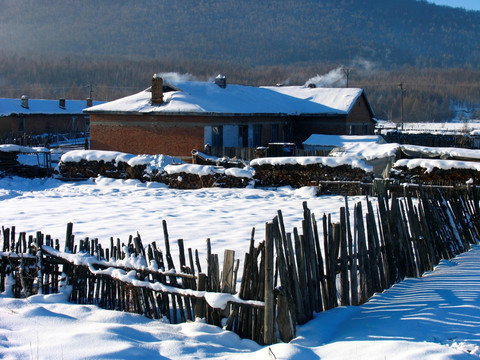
(39, 243)
(269, 317)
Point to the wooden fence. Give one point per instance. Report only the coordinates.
(286, 278)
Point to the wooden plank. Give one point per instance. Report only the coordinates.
(288, 303)
(373, 250)
(352, 257)
(314, 285)
(362, 254)
(302, 276)
(227, 273)
(334, 239)
(326, 249)
(227, 285)
(269, 316)
(344, 278)
(299, 307)
(320, 264)
(68, 238)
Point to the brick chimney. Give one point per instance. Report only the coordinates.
(61, 103)
(25, 101)
(157, 90)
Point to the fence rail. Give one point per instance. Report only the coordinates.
(286, 278)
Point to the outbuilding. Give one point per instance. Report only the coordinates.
(23, 117)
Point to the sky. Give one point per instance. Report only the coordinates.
(467, 4)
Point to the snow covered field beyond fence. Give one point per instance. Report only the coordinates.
(434, 317)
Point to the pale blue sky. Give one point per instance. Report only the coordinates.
(467, 4)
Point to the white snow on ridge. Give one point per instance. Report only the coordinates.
(309, 160)
(22, 149)
(443, 151)
(342, 140)
(209, 98)
(10, 106)
(430, 164)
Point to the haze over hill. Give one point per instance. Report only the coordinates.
(60, 47)
(393, 33)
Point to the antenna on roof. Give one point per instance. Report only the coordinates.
(347, 73)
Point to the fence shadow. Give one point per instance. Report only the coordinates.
(286, 279)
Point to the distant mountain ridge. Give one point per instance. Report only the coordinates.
(390, 33)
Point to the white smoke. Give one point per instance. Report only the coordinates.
(334, 78)
(284, 82)
(338, 77)
(175, 77)
(363, 67)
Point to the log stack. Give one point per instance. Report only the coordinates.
(84, 169)
(436, 176)
(267, 175)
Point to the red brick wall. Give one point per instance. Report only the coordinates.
(175, 135)
(177, 141)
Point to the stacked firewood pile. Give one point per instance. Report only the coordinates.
(305, 175)
(84, 169)
(420, 175)
(185, 180)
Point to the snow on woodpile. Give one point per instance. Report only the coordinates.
(308, 170)
(436, 171)
(417, 151)
(160, 168)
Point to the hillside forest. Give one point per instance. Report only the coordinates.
(109, 49)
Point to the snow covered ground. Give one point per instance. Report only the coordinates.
(435, 317)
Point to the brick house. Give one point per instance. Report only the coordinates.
(19, 117)
(175, 117)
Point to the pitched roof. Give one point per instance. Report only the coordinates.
(206, 98)
(45, 107)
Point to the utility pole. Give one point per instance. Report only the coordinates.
(90, 90)
(402, 92)
(347, 73)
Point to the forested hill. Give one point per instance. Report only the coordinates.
(391, 33)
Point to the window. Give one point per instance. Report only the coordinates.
(274, 133)
(21, 124)
(365, 129)
(257, 135)
(243, 135)
(74, 123)
(217, 136)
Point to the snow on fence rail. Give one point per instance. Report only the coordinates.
(286, 277)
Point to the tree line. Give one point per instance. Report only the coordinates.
(430, 94)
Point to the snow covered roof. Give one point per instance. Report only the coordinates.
(40, 106)
(22, 149)
(207, 98)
